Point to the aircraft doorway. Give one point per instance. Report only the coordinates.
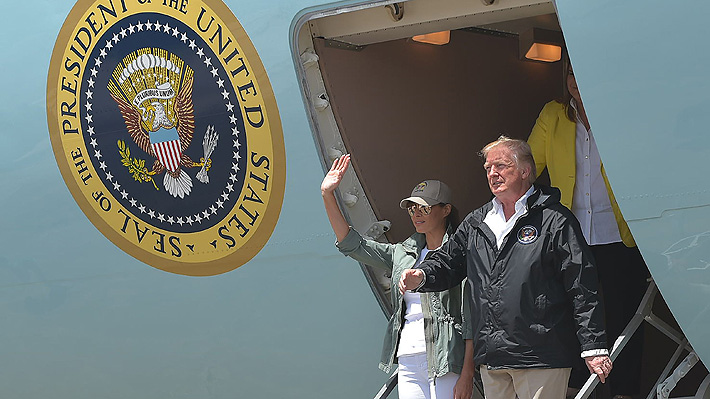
(408, 111)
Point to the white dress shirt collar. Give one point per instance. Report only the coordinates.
(520, 204)
(495, 218)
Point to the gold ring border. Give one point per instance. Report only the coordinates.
(273, 210)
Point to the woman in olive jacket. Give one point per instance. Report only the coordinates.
(427, 335)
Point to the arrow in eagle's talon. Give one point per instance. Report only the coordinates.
(209, 142)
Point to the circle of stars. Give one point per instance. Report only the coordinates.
(208, 212)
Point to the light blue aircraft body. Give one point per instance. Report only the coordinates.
(81, 318)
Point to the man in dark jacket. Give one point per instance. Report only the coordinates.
(532, 278)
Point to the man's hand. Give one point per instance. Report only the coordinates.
(464, 387)
(410, 279)
(599, 365)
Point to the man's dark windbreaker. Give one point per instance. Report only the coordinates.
(534, 301)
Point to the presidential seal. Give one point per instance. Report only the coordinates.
(165, 129)
(527, 234)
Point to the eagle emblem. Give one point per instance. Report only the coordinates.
(153, 90)
(527, 234)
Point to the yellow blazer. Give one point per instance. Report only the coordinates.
(553, 146)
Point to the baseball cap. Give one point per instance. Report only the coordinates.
(428, 192)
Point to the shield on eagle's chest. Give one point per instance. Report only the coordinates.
(166, 145)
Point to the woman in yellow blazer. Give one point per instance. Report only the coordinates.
(562, 142)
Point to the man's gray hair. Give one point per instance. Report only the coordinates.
(522, 154)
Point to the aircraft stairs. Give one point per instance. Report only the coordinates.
(667, 380)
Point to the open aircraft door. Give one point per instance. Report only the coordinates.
(642, 70)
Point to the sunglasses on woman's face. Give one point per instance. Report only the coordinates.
(424, 209)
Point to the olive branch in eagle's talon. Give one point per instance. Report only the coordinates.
(136, 167)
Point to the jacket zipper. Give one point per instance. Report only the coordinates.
(428, 332)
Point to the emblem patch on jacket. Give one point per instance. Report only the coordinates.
(527, 234)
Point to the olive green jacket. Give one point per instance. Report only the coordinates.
(446, 313)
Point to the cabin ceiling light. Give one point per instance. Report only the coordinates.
(438, 38)
(540, 45)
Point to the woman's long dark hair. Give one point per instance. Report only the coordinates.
(453, 220)
(566, 96)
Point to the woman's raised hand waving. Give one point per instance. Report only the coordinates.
(332, 179)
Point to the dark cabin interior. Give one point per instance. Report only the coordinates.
(410, 111)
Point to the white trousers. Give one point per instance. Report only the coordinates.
(413, 380)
